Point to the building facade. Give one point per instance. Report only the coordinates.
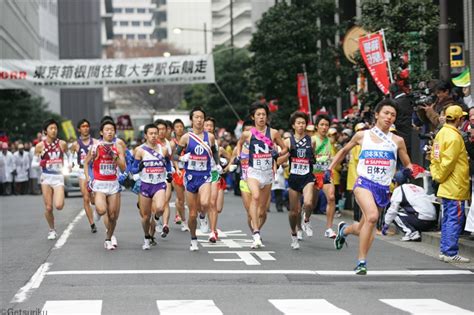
(134, 19)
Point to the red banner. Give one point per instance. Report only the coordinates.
(371, 49)
(303, 97)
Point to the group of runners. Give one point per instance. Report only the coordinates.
(192, 163)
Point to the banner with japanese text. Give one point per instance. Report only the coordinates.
(95, 73)
(372, 51)
(303, 95)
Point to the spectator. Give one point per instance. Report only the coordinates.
(310, 130)
(411, 209)
(35, 174)
(6, 158)
(449, 167)
(404, 114)
(22, 166)
(467, 97)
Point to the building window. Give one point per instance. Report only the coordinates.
(135, 23)
(147, 23)
(150, 10)
(141, 10)
(130, 36)
(117, 10)
(162, 34)
(115, 23)
(141, 36)
(123, 23)
(118, 36)
(129, 10)
(161, 17)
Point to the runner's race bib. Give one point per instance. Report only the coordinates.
(262, 161)
(299, 166)
(107, 169)
(154, 175)
(197, 163)
(54, 165)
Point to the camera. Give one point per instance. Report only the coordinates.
(426, 136)
(422, 96)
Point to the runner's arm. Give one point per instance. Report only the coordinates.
(356, 139)
(241, 141)
(279, 141)
(87, 160)
(180, 147)
(285, 157)
(120, 159)
(403, 154)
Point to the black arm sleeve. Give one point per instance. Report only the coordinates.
(215, 154)
(177, 153)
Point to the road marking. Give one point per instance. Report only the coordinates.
(198, 307)
(62, 240)
(264, 272)
(73, 307)
(222, 233)
(33, 283)
(228, 243)
(245, 256)
(306, 306)
(425, 306)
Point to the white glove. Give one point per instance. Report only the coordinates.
(136, 177)
(232, 168)
(219, 169)
(184, 158)
(223, 162)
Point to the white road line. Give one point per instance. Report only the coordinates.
(425, 306)
(33, 283)
(306, 306)
(70, 307)
(62, 240)
(265, 272)
(195, 307)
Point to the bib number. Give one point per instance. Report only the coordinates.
(299, 166)
(262, 161)
(197, 163)
(107, 169)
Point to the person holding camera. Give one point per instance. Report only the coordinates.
(449, 167)
(404, 114)
(411, 209)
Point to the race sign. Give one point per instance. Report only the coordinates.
(372, 51)
(92, 73)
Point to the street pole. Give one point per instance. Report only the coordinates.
(443, 41)
(205, 38)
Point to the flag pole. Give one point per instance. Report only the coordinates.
(307, 92)
(387, 60)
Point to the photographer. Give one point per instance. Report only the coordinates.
(404, 114)
(449, 167)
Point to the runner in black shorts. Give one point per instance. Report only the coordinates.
(301, 180)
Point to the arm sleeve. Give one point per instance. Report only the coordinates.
(177, 153)
(215, 154)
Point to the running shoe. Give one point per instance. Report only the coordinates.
(257, 241)
(456, 259)
(93, 228)
(204, 227)
(52, 235)
(153, 241)
(108, 245)
(307, 228)
(194, 246)
(184, 227)
(338, 214)
(361, 268)
(113, 239)
(340, 239)
(177, 219)
(294, 242)
(299, 235)
(441, 256)
(164, 231)
(413, 237)
(329, 233)
(212, 238)
(146, 244)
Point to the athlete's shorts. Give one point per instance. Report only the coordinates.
(179, 180)
(264, 177)
(53, 180)
(214, 176)
(149, 190)
(192, 183)
(319, 181)
(222, 185)
(299, 182)
(107, 187)
(244, 187)
(380, 192)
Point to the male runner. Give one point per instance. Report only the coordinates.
(50, 156)
(376, 168)
(178, 179)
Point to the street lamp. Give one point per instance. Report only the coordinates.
(179, 30)
(166, 54)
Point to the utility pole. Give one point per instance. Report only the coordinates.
(205, 38)
(443, 42)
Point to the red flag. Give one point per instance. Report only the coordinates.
(371, 49)
(303, 95)
(273, 105)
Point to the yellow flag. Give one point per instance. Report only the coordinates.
(129, 135)
(69, 130)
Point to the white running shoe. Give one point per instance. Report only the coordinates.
(203, 226)
(146, 244)
(52, 235)
(307, 228)
(294, 242)
(413, 236)
(184, 227)
(441, 256)
(108, 245)
(329, 233)
(299, 235)
(456, 259)
(194, 246)
(257, 241)
(113, 239)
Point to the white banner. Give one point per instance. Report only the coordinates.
(93, 73)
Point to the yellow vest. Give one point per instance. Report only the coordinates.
(352, 167)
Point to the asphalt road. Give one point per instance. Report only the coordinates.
(76, 275)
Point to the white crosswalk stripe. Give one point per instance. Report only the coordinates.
(73, 307)
(306, 306)
(425, 306)
(198, 307)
